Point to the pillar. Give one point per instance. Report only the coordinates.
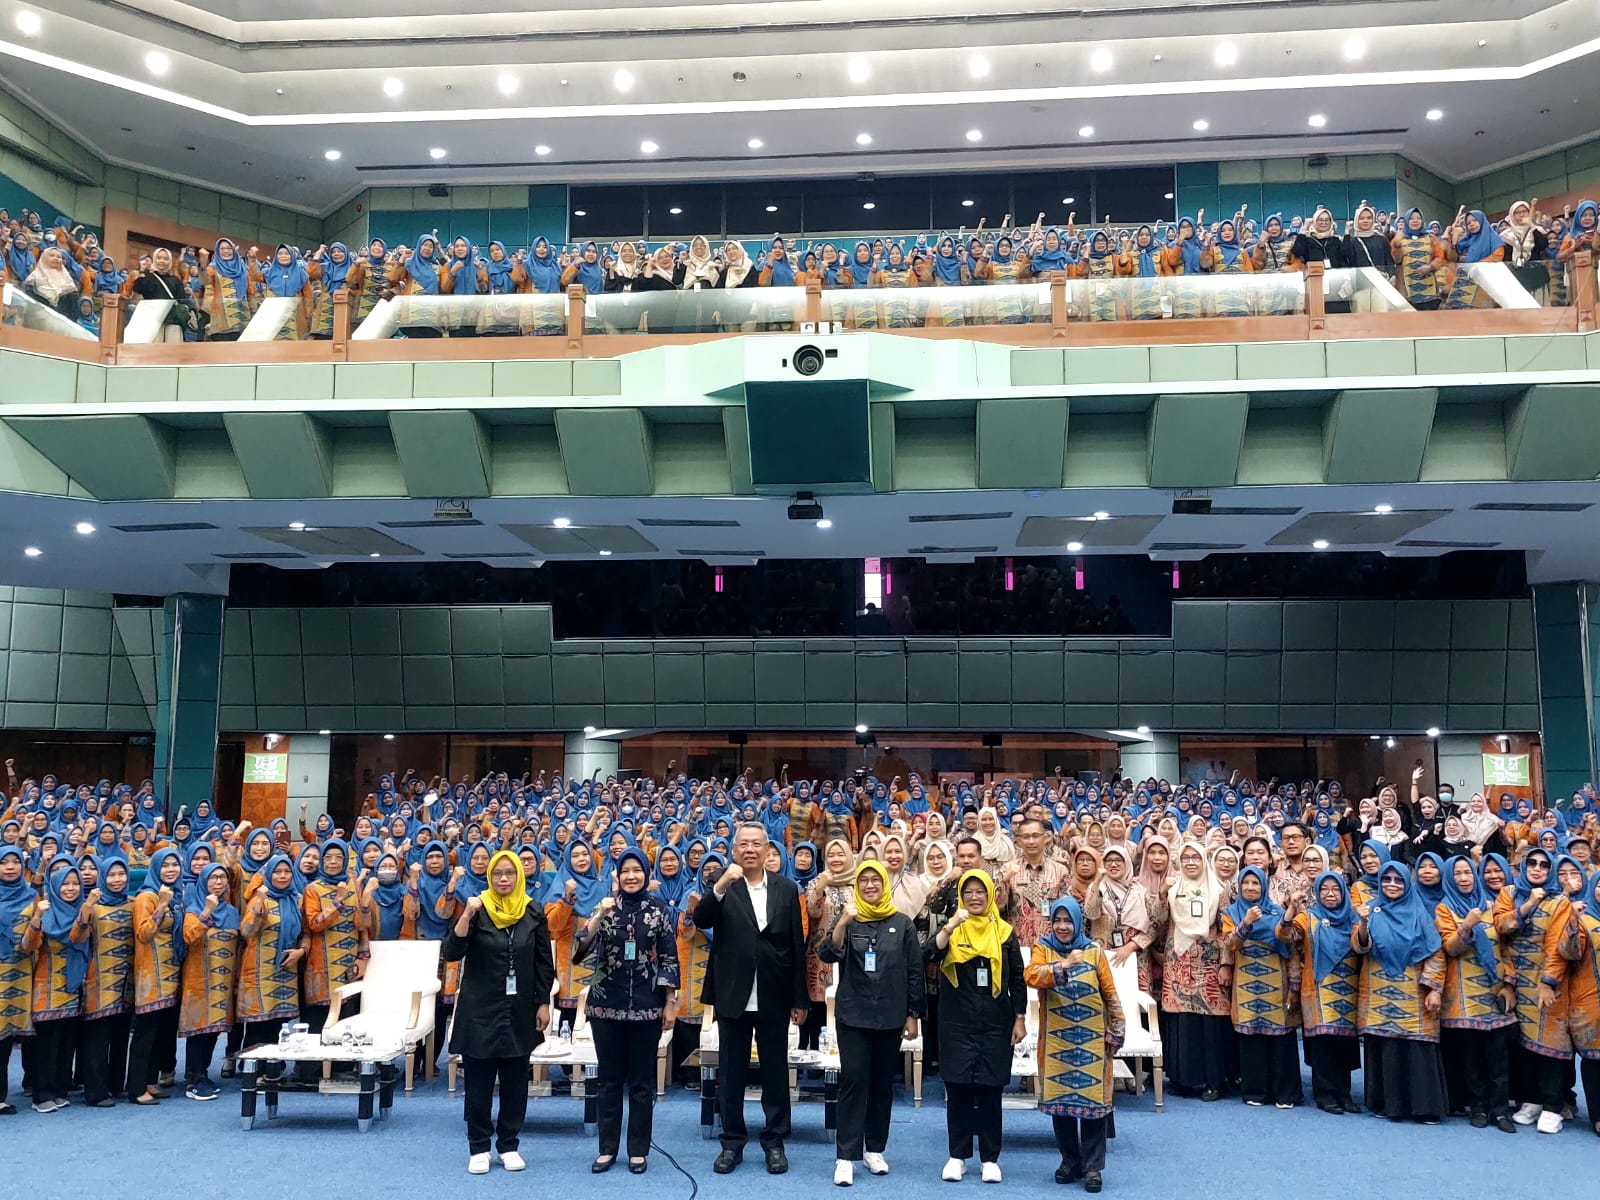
(188, 686)
(586, 755)
(308, 774)
(1157, 758)
(1566, 630)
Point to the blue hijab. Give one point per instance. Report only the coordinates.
(1147, 253)
(1046, 259)
(1432, 896)
(288, 901)
(225, 915)
(63, 915)
(803, 878)
(344, 866)
(780, 269)
(947, 264)
(19, 257)
(545, 272)
(1080, 936)
(390, 899)
(672, 889)
(1521, 887)
(1402, 931)
(1330, 932)
(860, 272)
(464, 269)
(14, 901)
(1461, 903)
(592, 885)
(431, 889)
(1476, 247)
(1265, 929)
(282, 280)
(424, 272)
(106, 276)
(1228, 247)
(1382, 852)
(590, 276)
(334, 273)
(1189, 247)
(500, 281)
(152, 884)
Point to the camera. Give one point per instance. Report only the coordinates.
(808, 360)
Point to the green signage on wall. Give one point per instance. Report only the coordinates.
(266, 768)
(1505, 770)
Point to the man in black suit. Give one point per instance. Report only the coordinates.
(756, 984)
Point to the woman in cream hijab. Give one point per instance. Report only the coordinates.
(1197, 983)
(997, 847)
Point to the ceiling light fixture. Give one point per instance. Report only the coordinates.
(588, 730)
(1225, 55)
(1433, 731)
(1388, 743)
(1100, 60)
(436, 153)
(541, 149)
(392, 87)
(863, 139)
(1202, 125)
(32, 551)
(324, 732)
(1355, 49)
(84, 528)
(860, 70)
(1086, 131)
(978, 66)
(968, 203)
(623, 80)
(374, 554)
(562, 523)
(648, 147)
(772, 208)
(1143, 730)
(332, 155)
(1435, 114)
(869, 206)
(297, 526)
(605, 554)
(1317, 120)
(29, 23)
(157, 63)
(974, 135)
(824, 523)
(677, 212)
(1482, 42)
(1383, 508)
(507, 83)
(1102, 516)
(861, 729)
(1320, 544)
(755, 143)
(1166, 195)
(580, 212)
(1069, 199)
(1074, 547)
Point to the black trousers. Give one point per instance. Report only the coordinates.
(972, 1110)
(626, 1056)
(1482, 1060)
(1590, 1069)
(155, 1039)
(811, 1031)
(5, 1064)
(103, 1056)
(1332, 1059)
(198, 1051)
(867, 1062)
(481, 1076)
(685, 1041)
(771, 1038)
(1082, 1142)
(53, 1044)
(1535, 1079)
(1269, 1068)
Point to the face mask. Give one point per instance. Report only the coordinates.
(387, 877)
(1447, 797)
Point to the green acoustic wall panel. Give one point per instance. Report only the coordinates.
(1553, 432)
(606, 452)
(443, 452)
(1377, 435)
(1195, 440)
(113, 457)
(283, 454)
(1021, 442)
(736, 440)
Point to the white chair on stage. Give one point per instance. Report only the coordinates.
(398, 992)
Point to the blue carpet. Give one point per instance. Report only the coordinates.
(1201, 1150)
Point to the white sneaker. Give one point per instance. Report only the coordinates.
(1550, 1122)
(844, 1174)
(991, 1173)
(478, 1164)
(1527, 1114)
(876, 1163)
(954, 1169)
(512, 1161)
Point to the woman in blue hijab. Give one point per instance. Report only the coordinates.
(1472, 240)
(1269, 1068)
(58, 937)
(1477, 1012)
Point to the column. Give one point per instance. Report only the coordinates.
(188, 683)
(308, 774)
(1566, 630)
(1157, 758)
(586, 755)
(1460, 764)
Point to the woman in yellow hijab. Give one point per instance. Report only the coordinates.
(502, 1006)
(879, 1001)
(980, 1019)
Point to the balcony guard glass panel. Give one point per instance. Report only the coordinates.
(711, 310)
(24, 311)
(1361, 289)
(275, 319)
(147, 322)
(916, 307)
(465, 316)
(1185, 297)
(1486, 285)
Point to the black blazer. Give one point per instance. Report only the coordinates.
(489, 1023)
(773, 958)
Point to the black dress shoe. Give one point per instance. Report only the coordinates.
(1066, 1174)
(103, 1102)
(601, 1165)
(1480, 1120)
(1505, 1124)
(1091, 1181)
(1334, 1109)
(1350, 1106)
(777, 1160)
(1210, 1094)
(727, 1161)
(638, 1168)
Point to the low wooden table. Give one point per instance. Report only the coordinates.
(261, 1070)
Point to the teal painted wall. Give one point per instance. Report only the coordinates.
(1289, 187)
(515, 214)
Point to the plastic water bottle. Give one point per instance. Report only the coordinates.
(566, 1031)
(283, 1036)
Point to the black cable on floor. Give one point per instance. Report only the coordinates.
(694, 1184)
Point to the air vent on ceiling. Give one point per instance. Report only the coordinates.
(1425, 544)
(449, 523)
(1189, 547)
(930, 518)
(670, 523)
(723, 553)
(171, 527)
(921, 550)
(269, 556)
(1246, 510)
(1531, 506)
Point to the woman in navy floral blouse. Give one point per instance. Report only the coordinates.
(632, 998)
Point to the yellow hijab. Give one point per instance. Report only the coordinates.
(978, 937)
(884, 906)
(506, 911)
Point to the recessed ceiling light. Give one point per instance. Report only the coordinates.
(1202, 125)
(393, 87)
(32, 551)
(84, 528)
(541, 149)
(562, 522)
(1102, 516)
(974, 135)
(648, 147)
(824, 523)
(1143, 729)
(1225, 55)
(388, 737)
(1435, 114)
(1320, 544)
(507, 83)
(861, 728)
(869, 206)
(1355, 49)
(1372, 737)
(860, 70)
(1069, 199)
(436, 152)
(374, 554)
(1317, 120)
(772, 208)
(580, 212)
(968, 203)
(1388, 743)
(677, 212)
(1086, 131)
(1100, 60)
(589, 730)
(1383, 508)
(332, 155)
(157, 63)
(755, 143)
(28, 23)
(863, 139)
(297, 525)
(1166, 195)
(605, 554)
(978, 66)
(1482, 42)
(1433, 731)
(1074, 547)
(623, 80)
(324, 732)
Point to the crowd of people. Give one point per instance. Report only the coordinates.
(220, 287)
(1446, 946)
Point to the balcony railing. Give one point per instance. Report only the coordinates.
(1346, 304)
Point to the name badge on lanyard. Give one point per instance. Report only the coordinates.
(983, 977)
(630, 950)
(869, 961)
(511, 967)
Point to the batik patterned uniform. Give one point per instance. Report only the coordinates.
(105, 988)
(1261, 997)
(336, 938)
(16, 983)
(209, 970)
(1469, 988)
(156, 970)
(265, 993)
(1532, 956)
(1078, 1011)
(1328, 1007)
(1391, 1004)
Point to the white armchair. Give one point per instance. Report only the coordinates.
(398, 993)
(1139, 1042)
